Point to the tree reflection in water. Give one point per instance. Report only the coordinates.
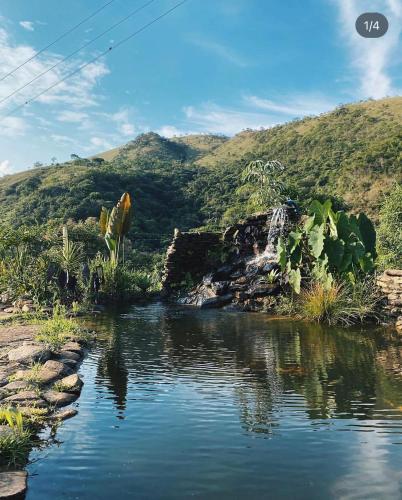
(271, 366)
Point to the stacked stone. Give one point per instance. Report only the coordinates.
(249, 235)
(390, 283)
(188, 256)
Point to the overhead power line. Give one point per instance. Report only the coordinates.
(78, 70)
(63, 35)
(69, 56)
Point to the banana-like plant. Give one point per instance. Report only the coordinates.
(328, 244)
(114, 226)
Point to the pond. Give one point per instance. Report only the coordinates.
(181, 403)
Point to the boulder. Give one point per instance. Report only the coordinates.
(52, 370)
(26, 308)
(29, 353)
(25, 398)
(74, 347)
(17, 385)
(72, 384)
(69, 355)
(9, 310)
(65, 414)
(69, 362)
(218, 301)
(59, 399)
(13, 484)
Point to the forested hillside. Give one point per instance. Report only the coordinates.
(353, 153)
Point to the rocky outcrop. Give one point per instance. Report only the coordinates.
(390, 283)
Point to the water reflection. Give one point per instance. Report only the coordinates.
(323, 372)
(218, 405)
(111, 370)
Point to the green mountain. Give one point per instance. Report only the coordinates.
(353, 153)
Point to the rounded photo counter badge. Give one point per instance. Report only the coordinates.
(371, 25)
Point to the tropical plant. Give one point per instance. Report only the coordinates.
(328, 244)
(71, 255)
(273, 276)
(267, 188)
(115, 225)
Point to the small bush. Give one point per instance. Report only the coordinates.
(338, 303)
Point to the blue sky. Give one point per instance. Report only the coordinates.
(211, 66)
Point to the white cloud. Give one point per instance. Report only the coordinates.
(27, 25)
(100, 142)
(122, 119)
(293, 106)
(254, 112)
(220, 50)
(12, 126)
(172, 131)
(216, 119)
(78, 91)
(5, 167)
(372, 58)
(72, 116)
(62, 139)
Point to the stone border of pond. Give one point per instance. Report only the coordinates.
(36, 380)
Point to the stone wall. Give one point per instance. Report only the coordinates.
(188, 256)
(390, 283)
(238, 275)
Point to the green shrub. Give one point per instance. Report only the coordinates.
(338, 303)
(57, 330)
(390, 230)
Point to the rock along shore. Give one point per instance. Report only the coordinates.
(36, 380)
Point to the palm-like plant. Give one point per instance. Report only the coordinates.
(265, 177)
(71, 255)
(115, 225)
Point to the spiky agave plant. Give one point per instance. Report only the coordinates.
(115, 225)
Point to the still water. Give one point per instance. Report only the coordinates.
(181, 403)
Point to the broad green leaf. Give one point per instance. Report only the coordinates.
(110, 242)
(366, 263)
(354, 226)
(296, 256)
(346, 261)
(281, 252)
(317, 209)
(368, 234)
(295, 280)
(333, 219)
(294, 239)
(316, 240)
(335, 249)
(309, 223)
(343, 226)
